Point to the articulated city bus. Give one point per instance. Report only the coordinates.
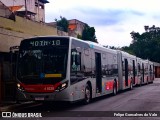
(54, 68)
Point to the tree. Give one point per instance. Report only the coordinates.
(89, 34)
(147, 44)
(62, 24)
(128, 50)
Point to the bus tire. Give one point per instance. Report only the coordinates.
(114, 88)
(87, 98)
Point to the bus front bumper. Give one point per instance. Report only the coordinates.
(55, 96)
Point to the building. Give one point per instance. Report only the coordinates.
(31, 9)
(75, 27)
(157, 70)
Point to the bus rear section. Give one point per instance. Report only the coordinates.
(144, 71)
(42, 69)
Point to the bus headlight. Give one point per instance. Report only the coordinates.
(62, 86)
(20, 87)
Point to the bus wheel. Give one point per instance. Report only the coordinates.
(114, 89)
(87, 98)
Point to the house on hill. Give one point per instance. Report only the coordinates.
(31, 9)
(75, 27)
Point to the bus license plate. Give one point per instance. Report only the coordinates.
(39, 98)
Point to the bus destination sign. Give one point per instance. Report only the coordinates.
(39, 43)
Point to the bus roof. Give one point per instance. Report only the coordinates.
(97, 46)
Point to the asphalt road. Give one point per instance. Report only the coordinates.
(139, 102)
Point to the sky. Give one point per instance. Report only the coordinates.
(113, 20)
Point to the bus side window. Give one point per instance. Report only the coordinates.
(75, 60)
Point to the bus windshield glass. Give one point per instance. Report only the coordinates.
(42, 60)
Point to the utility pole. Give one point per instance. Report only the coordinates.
(26, 8)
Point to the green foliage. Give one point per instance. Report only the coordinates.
(79, 36)
(147, 44)
(128, 50)
(89, 34)
(62, 24)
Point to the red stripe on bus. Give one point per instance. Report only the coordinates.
(109, 85)
(40, 88)
(129, 81)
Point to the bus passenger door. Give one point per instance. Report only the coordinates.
(143, 72)
(98, 72)
(126, 71)
(134, 72)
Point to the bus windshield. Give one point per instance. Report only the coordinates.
(42, 64)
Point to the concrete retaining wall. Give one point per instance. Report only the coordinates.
(10, 38)
(12, 32)
(27, 26)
